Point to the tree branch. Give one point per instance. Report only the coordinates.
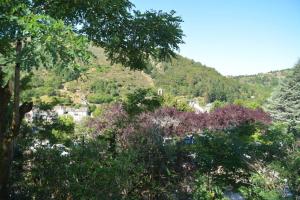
(25, 108)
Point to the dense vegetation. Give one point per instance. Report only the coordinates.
(184, 77)
(158, 153)
(264, 83)
(285, 101)
(57, 36)
(137, 144)
(153, 147)
(179, 77)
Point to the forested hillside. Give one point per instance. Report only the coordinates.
(103, 83)
(183, 76)
(264, 83)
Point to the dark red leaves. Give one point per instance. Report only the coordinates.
(173, 122)
(234, 115)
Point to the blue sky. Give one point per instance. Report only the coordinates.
(237, 36)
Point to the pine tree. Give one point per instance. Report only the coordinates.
(284, 104)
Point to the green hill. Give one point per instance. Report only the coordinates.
(103, 83)
(263, 83)
(270, 79)
(183, 76)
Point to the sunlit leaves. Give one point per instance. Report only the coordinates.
(129, 37)
(49, 43)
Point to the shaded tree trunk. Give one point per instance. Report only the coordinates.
(10, 124)
(5, 165)
(5, 145)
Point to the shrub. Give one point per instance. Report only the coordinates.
(142, 100)
(99, 98)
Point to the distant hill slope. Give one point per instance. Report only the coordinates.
(181, 77)
(269, 79)
(103, 84)
(264, 83)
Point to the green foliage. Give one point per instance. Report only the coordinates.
(185, 77)
(252, 158)
(142, 100)
(98, 111)
(89, 170)
(56, 129)
(78, 175)
(99, 98)
(66, 123)
(218, 104)
(141, 164)
(159, 167)
(249, 103)
(111, 81)
(136, 35)
(263, 84)
(205, 189)
(103, 92)
(293, 170)
(44, 83)
(176, 102)
(46, 41)
(116, 82)
(56, 36)
(108, 87)
(263, 188)
(284, 103)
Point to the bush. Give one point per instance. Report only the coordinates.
(99, 98)
(160, 154)
(142, 100)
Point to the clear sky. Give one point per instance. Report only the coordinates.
(237, 36)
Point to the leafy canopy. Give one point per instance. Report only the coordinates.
(46, 41)
(58, 32)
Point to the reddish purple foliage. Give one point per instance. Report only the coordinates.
(174, 122)
(112, 118)
(234, 115)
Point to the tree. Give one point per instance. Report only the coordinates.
(142, 100)
(56, 34)
(284, 105)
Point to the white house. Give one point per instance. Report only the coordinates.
(197, 108)
(77, 113)
(39, 114)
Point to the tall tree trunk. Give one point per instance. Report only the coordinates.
(9, 133)
(16, 113)
(5, 145)
(5, 96)
(5, 165)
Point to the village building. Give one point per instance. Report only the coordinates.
(78, 114)
(199, 109)
(160, 91)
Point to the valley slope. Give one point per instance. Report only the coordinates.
(103, 83)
